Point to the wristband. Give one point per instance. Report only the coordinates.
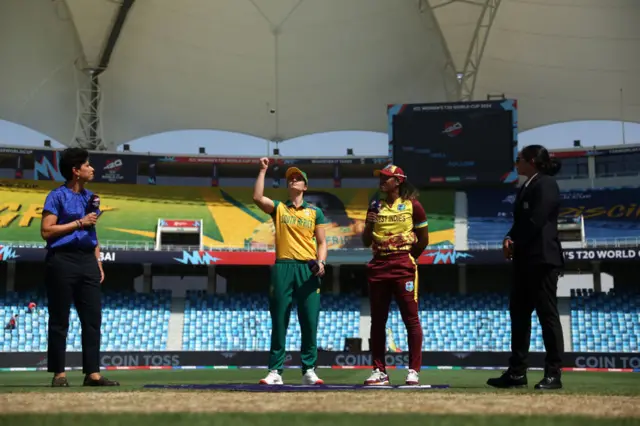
(79, 224)
(323, 262)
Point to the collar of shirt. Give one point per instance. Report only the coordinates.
(289, 203)
(68, 190)
(529, 180)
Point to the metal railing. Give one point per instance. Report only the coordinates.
(126, 245)
(116, 245)
(616, 242)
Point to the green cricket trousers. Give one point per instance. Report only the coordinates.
(293, 280)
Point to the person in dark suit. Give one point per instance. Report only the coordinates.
(534, 248)
(73, 270)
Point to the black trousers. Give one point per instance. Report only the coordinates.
(73, 276)
(535, 287)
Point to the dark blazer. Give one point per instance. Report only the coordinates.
(535, 223)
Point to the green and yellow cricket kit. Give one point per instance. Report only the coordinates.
(292, 279)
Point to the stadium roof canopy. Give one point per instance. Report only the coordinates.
(278, 69)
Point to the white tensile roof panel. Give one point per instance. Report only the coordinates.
(279, 69)
(565, 60)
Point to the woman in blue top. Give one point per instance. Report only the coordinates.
(73, 269)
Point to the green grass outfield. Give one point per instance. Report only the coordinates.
(588, 399)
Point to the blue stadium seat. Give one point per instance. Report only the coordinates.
(489, 214)
(605, 322)
(130, 322)
(242, 322)
(477, 322)
(610, 214)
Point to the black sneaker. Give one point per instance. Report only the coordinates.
(508, 380)
(549, 383)
(59, 382)
(102, 381)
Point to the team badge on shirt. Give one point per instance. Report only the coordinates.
(409, 286)
(401, 207)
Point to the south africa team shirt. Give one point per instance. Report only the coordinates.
(295, 230)
(394, 230)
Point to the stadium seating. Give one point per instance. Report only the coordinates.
(242, 322)
(478, 322)
(130, 322)
(231, 220)
(610, 214)
(489, 215)
(603, 322)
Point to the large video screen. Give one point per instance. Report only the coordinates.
(455, 143)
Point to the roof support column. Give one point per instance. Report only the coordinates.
(451, 87)
(88, 132)
(476, 47)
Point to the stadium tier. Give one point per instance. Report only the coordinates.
(602, 322)
(609, 213)
(478, 323)
(131, 322)
(242, 322)
(230, 218)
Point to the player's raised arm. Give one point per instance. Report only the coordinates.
(266, 204)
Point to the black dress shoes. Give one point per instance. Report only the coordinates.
(59, 382)
(508, 380)
(549, 383)
(102, 381)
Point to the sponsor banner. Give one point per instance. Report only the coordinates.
(18, 173)
(109, 168)
(310, 161)
(115, 168)
(595, 152)
(337, 176)
(602, 254)
(7, 254)
(209, 160)
(151, 180)
(8, 150)
(343, 257)
(215, 178)
(46, 165)
(610, 212)
(230, 218)
(189, 224)
(225, 258)
(281, 161)
(572, 360)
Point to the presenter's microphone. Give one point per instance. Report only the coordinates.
(93, 206)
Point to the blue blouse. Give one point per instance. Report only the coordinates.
(70, 206)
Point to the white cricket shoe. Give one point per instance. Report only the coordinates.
(311, 378)
(273, 378)
(413, 379)
(377, 378)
